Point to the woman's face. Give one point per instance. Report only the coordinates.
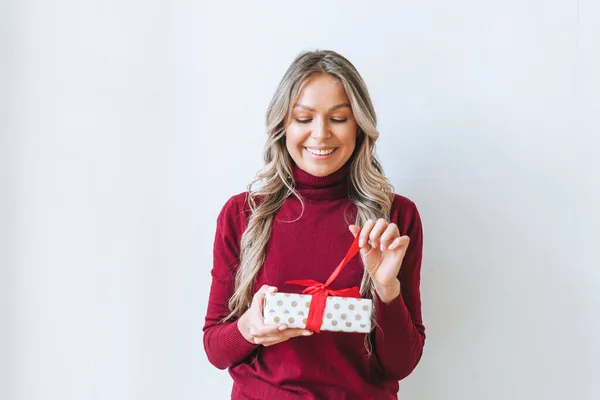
(321, 134)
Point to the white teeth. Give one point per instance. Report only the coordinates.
(320, 152)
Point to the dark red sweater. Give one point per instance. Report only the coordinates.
(327, 365)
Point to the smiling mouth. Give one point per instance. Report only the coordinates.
(320, 152)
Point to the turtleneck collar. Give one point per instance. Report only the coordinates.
(333, 186)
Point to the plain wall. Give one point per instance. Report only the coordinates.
(126, 125)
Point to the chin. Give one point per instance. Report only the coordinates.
(320, 170)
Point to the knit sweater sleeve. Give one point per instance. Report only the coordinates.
(224, 344)
(400, 333)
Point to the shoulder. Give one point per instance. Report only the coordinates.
(405, 214)
(234, 212)
(235, 202)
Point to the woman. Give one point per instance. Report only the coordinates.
(321, 186)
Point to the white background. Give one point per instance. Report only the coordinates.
(125, 125)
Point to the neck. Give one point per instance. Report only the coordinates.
(332, 186)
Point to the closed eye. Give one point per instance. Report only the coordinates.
(334, 120)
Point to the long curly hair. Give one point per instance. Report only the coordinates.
(369, 189)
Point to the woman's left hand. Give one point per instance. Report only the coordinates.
(382, 250)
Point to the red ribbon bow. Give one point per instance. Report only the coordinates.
(320, 291)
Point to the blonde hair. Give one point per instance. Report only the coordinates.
(369, 189)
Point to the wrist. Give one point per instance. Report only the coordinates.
(389, 291)
(243, 328)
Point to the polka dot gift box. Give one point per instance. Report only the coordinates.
(319, 307)
(341, 314)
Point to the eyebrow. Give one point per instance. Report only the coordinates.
(336, 107)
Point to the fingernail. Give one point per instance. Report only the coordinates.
(282, 327)
(307, 333)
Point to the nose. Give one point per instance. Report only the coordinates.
(320, 130)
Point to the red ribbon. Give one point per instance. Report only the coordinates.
(320, 291)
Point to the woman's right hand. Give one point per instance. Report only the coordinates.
(251, 323)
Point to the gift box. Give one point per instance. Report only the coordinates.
(319, 307)
(341, 314)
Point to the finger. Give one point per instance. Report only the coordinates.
(269, 344)
(258, 300)
(290, 333)
(257, 325)
(388, 236)
(264, 289)
(401, 242)
(261, 330)
(378, 229)
(354, 229)
(274, 342)
(279, 339)
(364, 233)
(280, 336)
